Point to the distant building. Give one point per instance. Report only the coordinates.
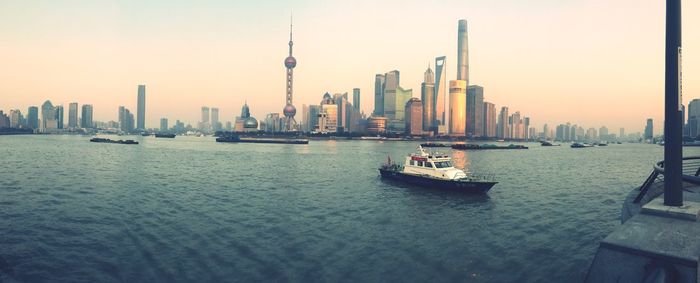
(4, 120)
(314, 112)
(215, 124)
(59, 116)
(475, 111)
(458, 108)
(440, 94)
(376, 125)
(33, 117)
(16, 119)
(163, 124)
(356, 99)
(427, 95)
(48, 122)
(545, 132)
(490, 120)
(414, 117)
(526, 128)
(86, 117)
(141, 108)
(603, 133)
(693, 118)
(591, 134)
(328, 116)
(517, 130)
(622, 133)
(649, 130)
(503, 125)
(462, 52)
(204, 123)
(379, 80)
(247, 123)
(73, 115)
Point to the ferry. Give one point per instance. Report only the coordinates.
(435, 170)
(103, 140)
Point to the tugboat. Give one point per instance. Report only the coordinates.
(435, 171)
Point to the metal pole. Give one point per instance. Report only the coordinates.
(673, 132)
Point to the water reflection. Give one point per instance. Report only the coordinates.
(460, 159)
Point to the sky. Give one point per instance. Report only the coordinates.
(589, 62)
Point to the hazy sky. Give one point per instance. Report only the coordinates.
(589, 62)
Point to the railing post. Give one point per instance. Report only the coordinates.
(673, 133)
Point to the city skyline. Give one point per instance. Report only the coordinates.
(579, 73)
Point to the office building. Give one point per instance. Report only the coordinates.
(475, 111)
(356, 99)
(440, 95)
(204, 122)
(215, 124)
(73, 115)
(59, 116)
(328, 115)
(379, 80)
(414, 117)
(33, 117)
(141, 108)
(462, 52)
(693, 118)
(458, 108)
(490, 120)
(503, 125)
(649, 130)
(86, 117)
(48, 122)
(622, 133)
(427, 95)
(163, 124)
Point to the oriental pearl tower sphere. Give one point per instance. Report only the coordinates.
(290, 125)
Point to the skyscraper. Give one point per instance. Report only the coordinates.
(289, 110)
(622, 133)
(475, 111)
(59, 116)
(458, 107)
(462, 52)
(503, 128)
(414, 117)
(73, 115)
(215, 119)
(16, 119)
(490, 119)
(33, 117)
(649, 130)
(163, 124)
(86, 117)
(141, 108)
(440, 90)
(48, 117)
(204, 124)
(427, 96)
(694, 118)
(356, 99)
(379, 80)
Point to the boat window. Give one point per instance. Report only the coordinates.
(412, 162)
(443, 164)
(429, 164)
(420, 163)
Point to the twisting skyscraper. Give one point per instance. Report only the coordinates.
(289, 111)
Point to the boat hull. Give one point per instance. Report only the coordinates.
(464, 186)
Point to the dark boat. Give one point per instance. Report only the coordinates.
(170, 136)
(435, 171)
(237, 139)
(145, 134)
(103, 140)
(546, 143)
(462, 146)
(432, 144)
(580, 145)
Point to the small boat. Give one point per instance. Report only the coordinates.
(145, 134)
(103, 140)
(432, 144)
(467, 146)
(232, 138)
(547, 143)
(603, 144)
(580, 145)
(170, 136)
(435, 171)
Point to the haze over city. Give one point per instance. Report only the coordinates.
(558, 61)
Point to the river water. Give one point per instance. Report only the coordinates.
(190, 209)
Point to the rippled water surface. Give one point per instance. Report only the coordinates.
(189, 209)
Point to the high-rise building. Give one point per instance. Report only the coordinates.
(163, 124)
(694, 118)
(86, 117)
(395, 98)
(314, 111)
(458, 107)
(215, 125)
(490, 124)
(356, 99)
(141, 108)
(414, 117)
(59, 116)
(16, 119)
(649, 130)
(462, 52)
(49, 122)
(379, 80)
(440, 94)
(328, 116)
(204, 123)
(427, 96)
(341, 99)
(4, 120)
(289, 110)
(516, 126)
(73, 115)
(503, 125)
(622, 133)
(475, 111)
(33, 117)
(603, 133)
(526, 128)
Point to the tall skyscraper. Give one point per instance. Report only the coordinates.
(141, 108)
(427, 96)
(59, 116)
(48, 117)
(215, 119)
(649, 130)
(516, 126)
(458, 107)
(356, 99)
(490, 118)
(289, 111)
(122, 118)
(440, 93)
(622, 133)
(86, 117)
(414, 117)
(379, 80)
(503, 125)
(545, 131)
(204, 124)
(475, 111)
(163, 124)
(16, 119)
(73, 115)
(526, 128)
(462, 52)
(33, 117)
(694, 118)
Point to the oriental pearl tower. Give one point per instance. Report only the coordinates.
(290, 125)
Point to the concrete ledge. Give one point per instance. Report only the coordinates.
(689, 211)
